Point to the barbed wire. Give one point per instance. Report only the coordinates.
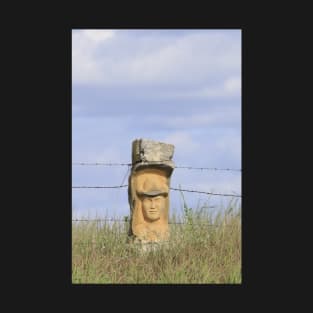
(100, 163)
(127, 172)
(121, 186)
(176, 189)
(209, 193)
(127, 221)
(130, 164)
(209, 168)
(100, 220)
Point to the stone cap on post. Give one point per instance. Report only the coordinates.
(150, 153)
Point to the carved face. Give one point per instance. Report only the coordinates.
(152, 207)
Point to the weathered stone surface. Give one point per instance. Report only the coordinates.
(148, 190)
(145, 150)
(149, 153)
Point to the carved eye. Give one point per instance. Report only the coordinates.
(146, 200)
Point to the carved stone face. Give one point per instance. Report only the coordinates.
(150, 204)
(152, 207)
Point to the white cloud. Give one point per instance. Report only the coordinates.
(173, 61)
(183, 142)
(103, 154)
(85, 64)
(226, 185)
(98, 35)
(210, 118)
(233, 85)
(229, 144)
(230, 87)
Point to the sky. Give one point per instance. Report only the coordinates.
(176, 86)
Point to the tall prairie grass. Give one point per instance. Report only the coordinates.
(204, 248)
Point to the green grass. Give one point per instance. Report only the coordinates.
(204, 250)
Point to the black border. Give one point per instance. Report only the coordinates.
(53, 113)
(37, 56)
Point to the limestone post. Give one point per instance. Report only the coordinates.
(148, 190)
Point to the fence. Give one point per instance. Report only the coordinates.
(174, 189)
(130, 164)
(127, 221)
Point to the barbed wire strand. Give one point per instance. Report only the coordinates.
(82, 187)
(117, 195)
(100, 163)
(176, 189)
(130, 164)
(209, 193)
(126, 174)
(127, 221)
(209, 168)
(100, 220)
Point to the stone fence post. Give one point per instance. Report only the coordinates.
(148, 191)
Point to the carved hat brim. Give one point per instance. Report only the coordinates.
(167, 167)
(152, 193)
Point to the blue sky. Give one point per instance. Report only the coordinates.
(181, 87)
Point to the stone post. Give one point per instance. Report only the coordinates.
(148, 191)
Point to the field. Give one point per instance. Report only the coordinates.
(203, 249)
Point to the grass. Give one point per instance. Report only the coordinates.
(204, 249)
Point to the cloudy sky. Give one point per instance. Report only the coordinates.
(181, 87)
